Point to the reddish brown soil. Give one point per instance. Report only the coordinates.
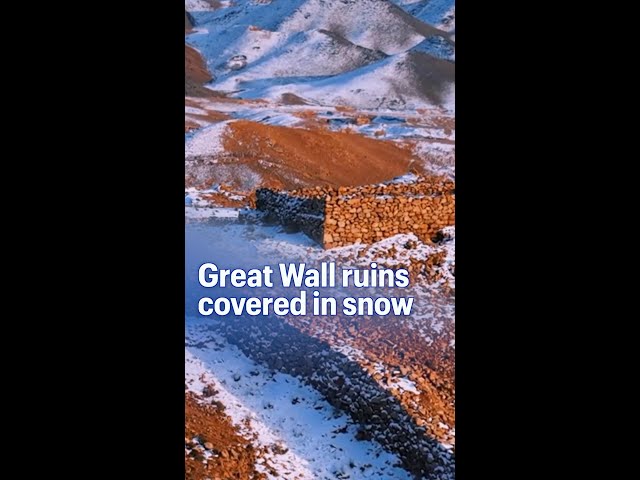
(195, 73)
(431, 367)
(235, 457)
(194, 66)
(292, 157)
(292, 99)
(345, 109)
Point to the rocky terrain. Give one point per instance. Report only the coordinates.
(372, 372)
(212, 445)
(323, 96)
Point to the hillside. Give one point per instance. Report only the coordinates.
(263, 49)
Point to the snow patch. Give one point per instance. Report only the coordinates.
(198, 6)
(278, 409)
(206, 141)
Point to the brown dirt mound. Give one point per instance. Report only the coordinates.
(234, 456)
(292, 99)
(292, 157)
(195, 73)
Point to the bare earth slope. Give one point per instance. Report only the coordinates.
(284, 157)
(195, 74)
(213, 445)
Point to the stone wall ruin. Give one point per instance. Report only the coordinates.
(339, 216)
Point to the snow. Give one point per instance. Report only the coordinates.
(250, 245)
(383, 84)
(304, 54)
(438, 157)
(437, 46)
(404, 384)
(286, 48)
(257, 245)
(197, 6)
(257, 30)
(450, 248)
(194, 110)
(206, 141)
(403, 3)
(369, 23)
(433, 147)
(371, 86)
(200, 213)
(198, 121)
(404, 179)
(350, 352)
(440, 13)
(238, 29)
(431, 140)
(269, 117)
(321, 443)
(377, 250)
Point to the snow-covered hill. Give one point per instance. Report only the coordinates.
(407, 80)
(350, 52)
(439, 13)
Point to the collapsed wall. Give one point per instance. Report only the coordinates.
(346, 386)
(342, 216)
(302, 213)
